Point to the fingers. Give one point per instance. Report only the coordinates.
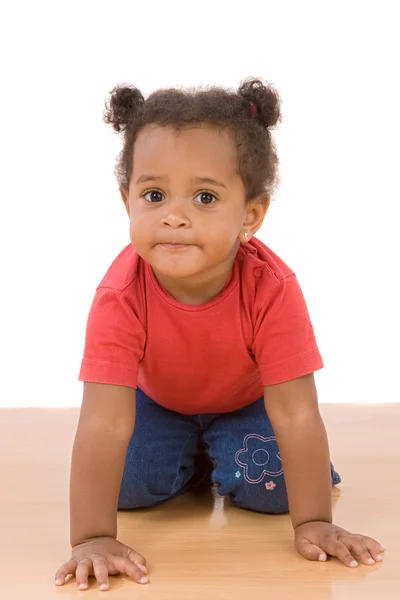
(143, 568)
(100, 569)
(83, 570)
(130, 568)
(349, 550)
(138, 560)
(69, 568)
(375, 548)
(310, 551)
(364, 549)
(326, 546)
(359, 550)
(337, 548)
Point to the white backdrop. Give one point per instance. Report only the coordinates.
(335, 217)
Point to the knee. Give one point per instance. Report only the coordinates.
(135, 494)
(254, 489)
(138, 492)
(258, 483)
(269, 497)
(270, 508)
(143, 489)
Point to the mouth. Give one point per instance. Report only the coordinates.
(169, 246)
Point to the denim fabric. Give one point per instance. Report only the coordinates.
(160, 461)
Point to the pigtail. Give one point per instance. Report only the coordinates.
(124, 103)
(262, 101)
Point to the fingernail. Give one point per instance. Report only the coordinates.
(371, 561)
(103, 587)
(82, 586)
(322, 557)
(58, 581)
(379, 557)
(143, 580)
(354, 563)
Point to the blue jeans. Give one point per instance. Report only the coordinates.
(246, 465)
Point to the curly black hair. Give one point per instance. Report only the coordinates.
(248, 114)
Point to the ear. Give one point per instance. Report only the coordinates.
(125, 198)
(254, 215)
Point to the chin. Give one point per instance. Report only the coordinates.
(174, 271)
(175, 264)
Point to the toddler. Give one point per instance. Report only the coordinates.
(200, 355)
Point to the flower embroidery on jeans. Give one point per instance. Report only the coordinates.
(270, 485)
(259, 457)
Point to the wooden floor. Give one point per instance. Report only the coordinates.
(201, 548)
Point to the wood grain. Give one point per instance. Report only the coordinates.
(201, 547)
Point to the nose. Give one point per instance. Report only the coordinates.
(175, 215)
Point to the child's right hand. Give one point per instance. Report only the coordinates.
(102, 557)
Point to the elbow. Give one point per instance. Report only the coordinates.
(100, 429)
(301, 420)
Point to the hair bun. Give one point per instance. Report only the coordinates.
(265, 98)
(124, 103)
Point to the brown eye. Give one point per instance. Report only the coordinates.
(153, 196)
(206, 198)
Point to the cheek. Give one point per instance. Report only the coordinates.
(224, 230)
(139, 231)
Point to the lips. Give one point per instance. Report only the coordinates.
(172, 245)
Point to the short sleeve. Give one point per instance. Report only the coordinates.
(284, 343)
(115, 340)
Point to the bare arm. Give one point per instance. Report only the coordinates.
(106, 424)
(292, 408)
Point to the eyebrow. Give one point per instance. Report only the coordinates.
(208, 180)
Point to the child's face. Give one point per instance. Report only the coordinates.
(171, 200)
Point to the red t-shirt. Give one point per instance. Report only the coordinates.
(210, 358)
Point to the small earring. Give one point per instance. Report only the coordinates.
(246, 236)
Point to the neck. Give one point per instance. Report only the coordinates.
(198, 289)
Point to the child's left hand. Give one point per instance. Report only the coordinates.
(316, 539)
